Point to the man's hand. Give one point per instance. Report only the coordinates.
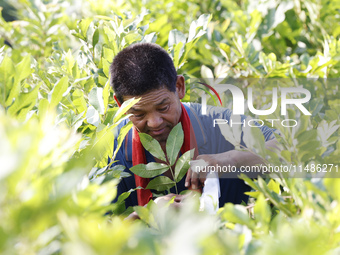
(231, 158)
(196, 177)
(161, 201)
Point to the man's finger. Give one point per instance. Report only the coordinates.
(179, 198)
(188, 178)
(194, 180)
(203, 177)
(132, 216)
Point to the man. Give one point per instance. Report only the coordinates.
(146, 70)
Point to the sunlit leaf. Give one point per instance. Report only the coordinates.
(174, 143)
(58, 91)
(96, 99)
(175, 37)
(92, 116)
(262, 212)
(124, 108)
(182, 165)
(79, 100)
(161, 183)
(149, 170)
(24, 100)
(152, 146)
(123, 132)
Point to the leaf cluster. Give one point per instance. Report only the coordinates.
(173, 146)
(59, 123)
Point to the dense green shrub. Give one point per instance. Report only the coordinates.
(58, 124)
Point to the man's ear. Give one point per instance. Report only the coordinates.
(116, 99)
(180, 86)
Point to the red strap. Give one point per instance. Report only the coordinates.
(138, 155)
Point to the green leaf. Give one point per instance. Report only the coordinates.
(7, 69)
(161, 183)
(123, 196)
(228, 134)
(150, 38)
(83, 26)
(202, 21)
(206, 73)
(106, 67)
(58, 91)
(287, 155)
(24, 100)
(23, 69)
(182, 165)
(178, 51)
(254, 140)
(122, 133)
(303, 125)
(109, 115)
(249, 182)
(108, 54)
(224, 49)
(92, 116)
(43, 107)
(175, 37)
(103, 144)
(124, 108)
(262, 212)
(119, 206)
(132, 37)
(111, 35)
(69, 62)
(13, 92)
(332, 186)
(273, 197)
(315, 106)
(98, 54)
(149, 170)
(106, 95)
(280, 13)
(174, 143)
(274, 186)
(307, 136)
(237, 214)
(152, 146)
(75, 71)
(96, 99)
(95, 37)
(79, 100)
(143, 213)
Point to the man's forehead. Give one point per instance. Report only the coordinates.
(154, 97)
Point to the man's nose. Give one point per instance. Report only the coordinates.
(154, 121)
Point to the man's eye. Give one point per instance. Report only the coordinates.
(164, 109)
(138, 115)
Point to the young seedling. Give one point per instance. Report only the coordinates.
(173, 146)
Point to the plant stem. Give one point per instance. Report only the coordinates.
(176, 188)
(173, 177)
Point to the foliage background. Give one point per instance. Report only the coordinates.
(58, 124)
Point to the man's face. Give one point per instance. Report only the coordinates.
(158, 111)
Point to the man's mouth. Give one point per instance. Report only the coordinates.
(156, 132)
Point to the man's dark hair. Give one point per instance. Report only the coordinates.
(141, 68)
